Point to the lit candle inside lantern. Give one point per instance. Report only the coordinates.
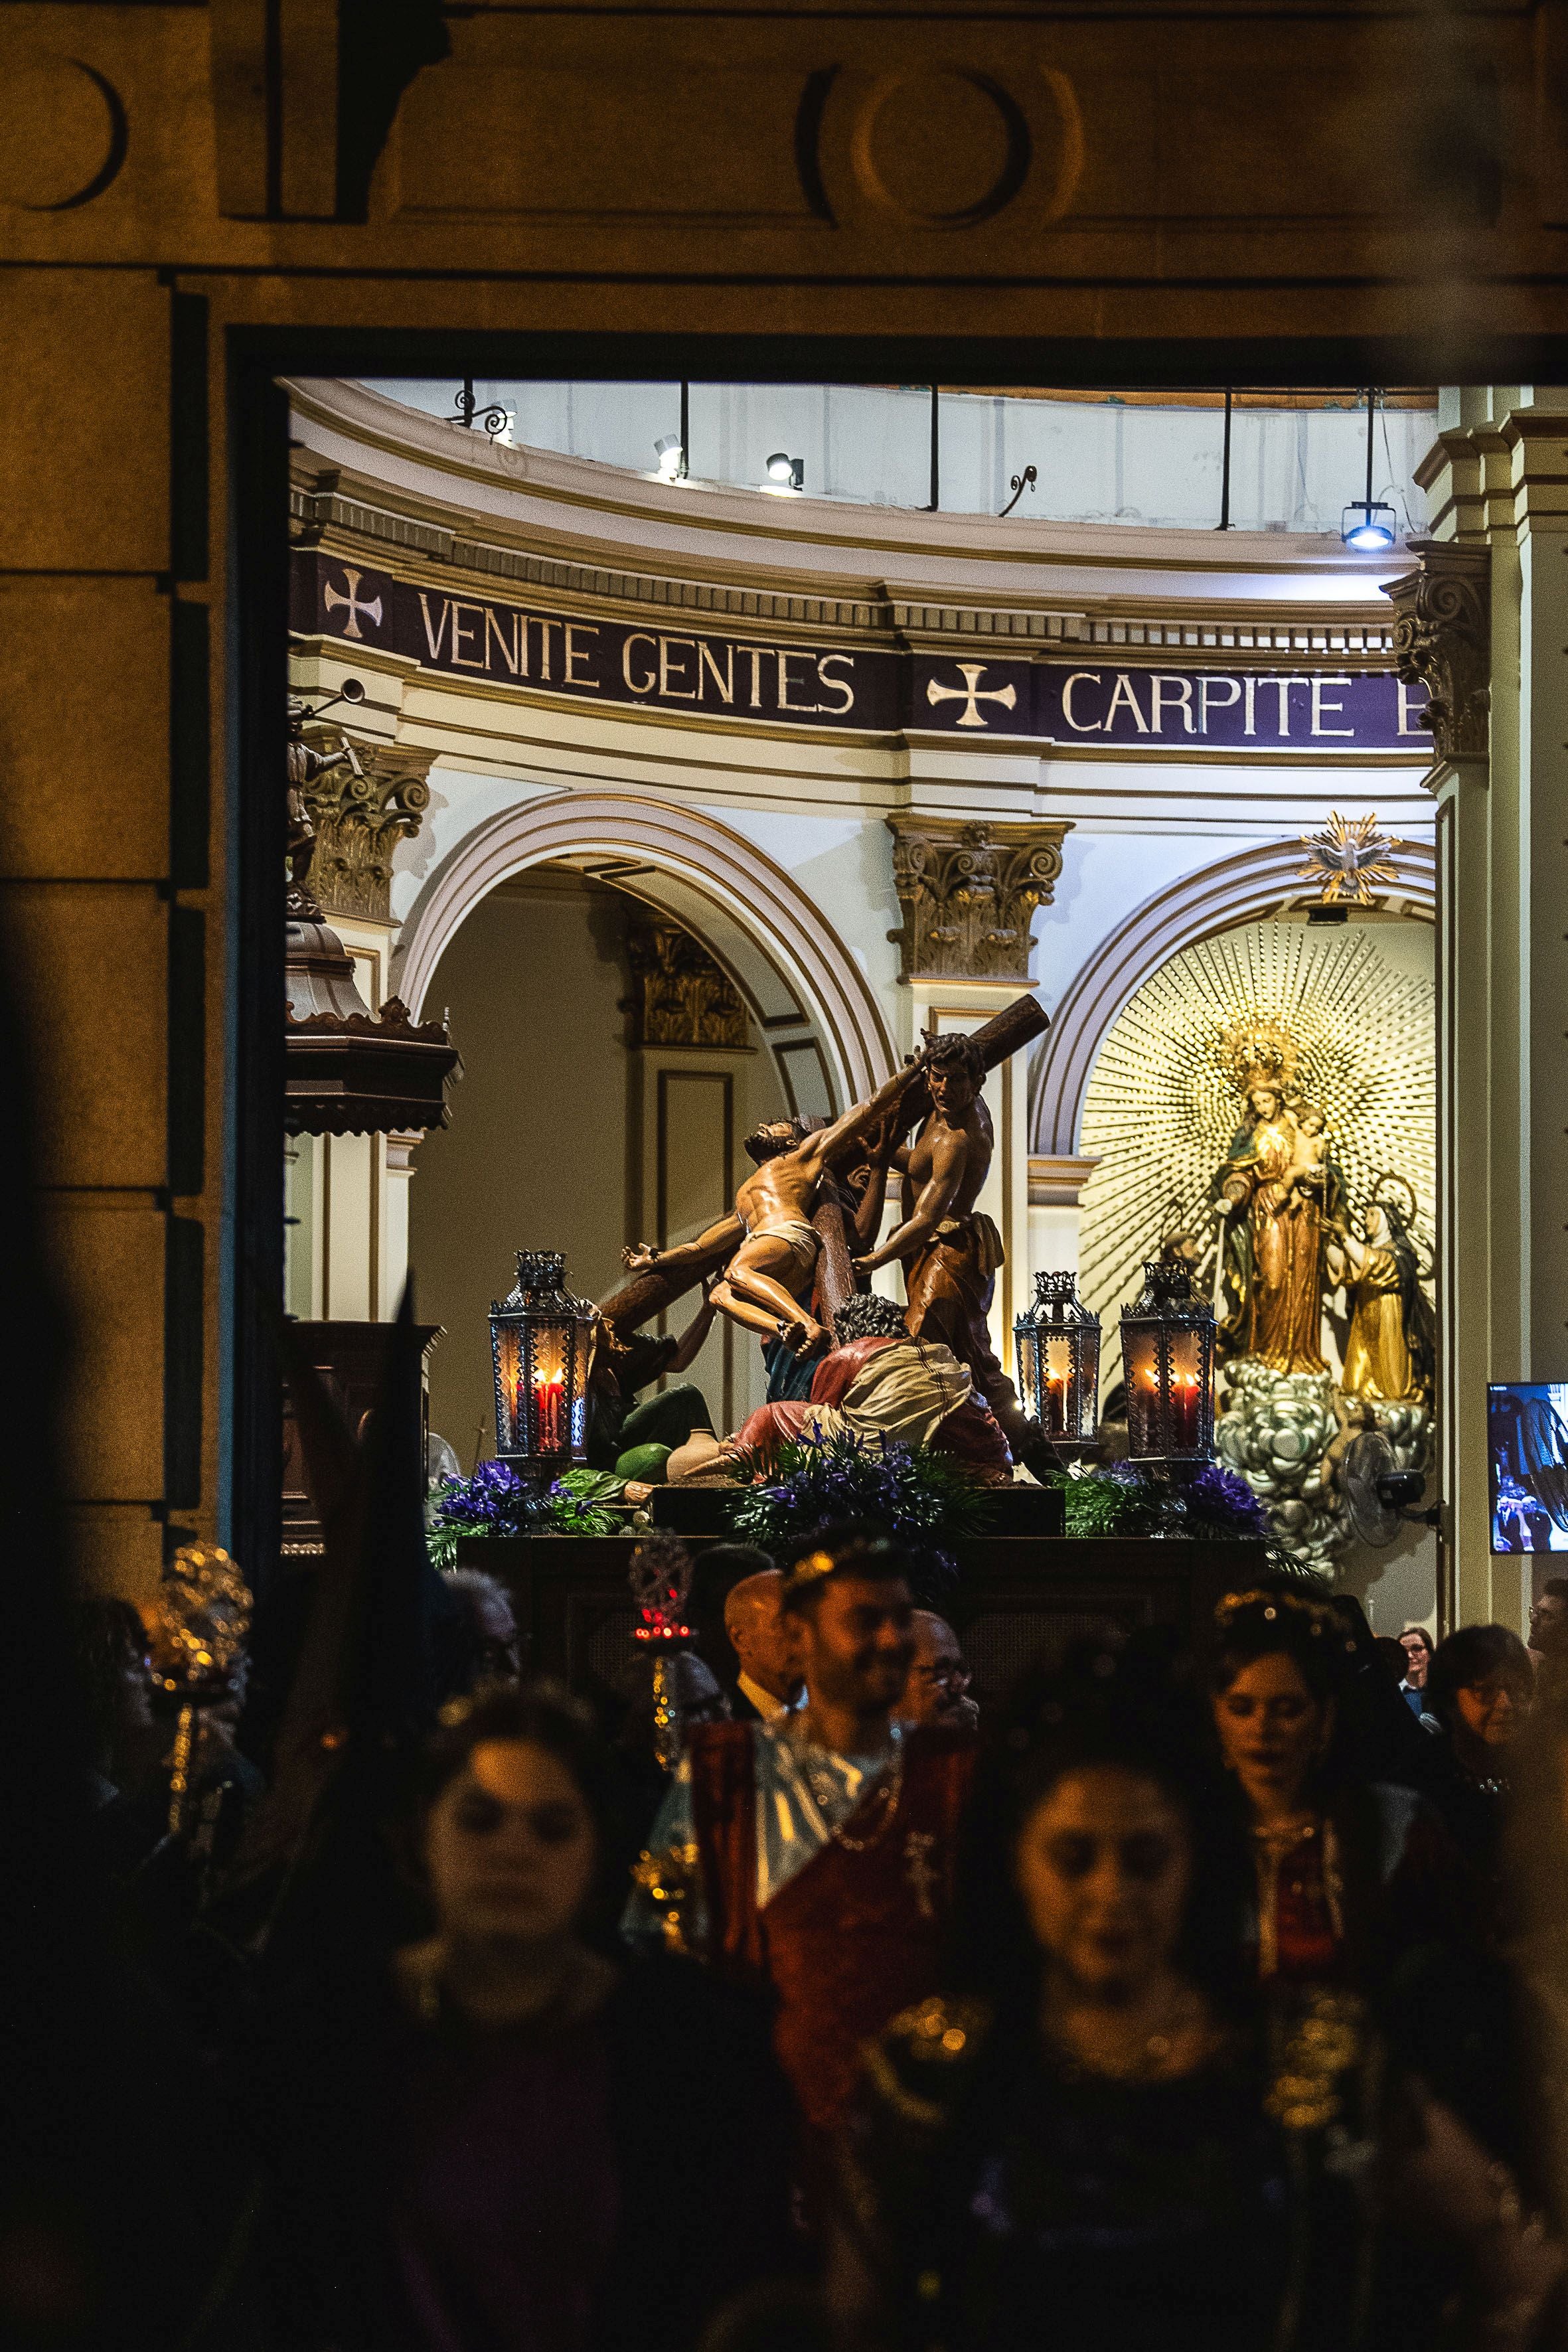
(549, 1413)
(1186, 1403)
(1056, 1404)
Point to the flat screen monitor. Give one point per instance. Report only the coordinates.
(1527, 1431)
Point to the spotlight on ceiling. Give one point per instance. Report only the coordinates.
(789, 472)
(1368, 526)
(671, 456)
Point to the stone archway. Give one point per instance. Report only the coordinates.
(1215, 899)
(809, 997)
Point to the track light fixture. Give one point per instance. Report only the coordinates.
(1368, 523)
(787, 471)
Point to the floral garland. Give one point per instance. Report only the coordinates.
(496, 1502)
(1215, 1505)
(916, 1495)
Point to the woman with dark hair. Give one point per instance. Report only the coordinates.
(1347, 1870)
(514, 2143)
(1092, 2130)
(1478, 1695)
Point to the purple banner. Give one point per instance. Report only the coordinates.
(667, 668)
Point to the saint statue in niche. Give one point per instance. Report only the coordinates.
(1390, 1354)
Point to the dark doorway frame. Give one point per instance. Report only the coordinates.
(256, 669)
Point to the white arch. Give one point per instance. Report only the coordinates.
(1215, 898)
(801, 982)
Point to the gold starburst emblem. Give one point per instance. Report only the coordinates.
(1348, 855)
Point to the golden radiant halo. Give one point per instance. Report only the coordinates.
(1163, 1103)
(1348, 855)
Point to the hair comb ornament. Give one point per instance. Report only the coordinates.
(1273, 1605)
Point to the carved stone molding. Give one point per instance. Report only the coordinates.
(969, 894)
(683, 997)
(359, 820)
(1442, 640)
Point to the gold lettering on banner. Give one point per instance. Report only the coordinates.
(784, 656)
(577, 652)
(1123, 699)
(652, 680)
(705, 661)
(1079, 677)
(544, 629)
(758, 655)
(1409, 709)
(839, 685)
(1206, 700)
(1184, 702)
(433, 638)
(509, 654)
(1320, 706)
(462, 628)
(666, 646)
(1251, 726)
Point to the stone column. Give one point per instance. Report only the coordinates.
(1442, 642)
(355, 1244)
(1484, 623)
(968, 892)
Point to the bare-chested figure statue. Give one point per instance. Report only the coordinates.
(950, 1251)
(766, 1285)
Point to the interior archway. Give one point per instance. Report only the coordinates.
(806, 991)
(611, 1072)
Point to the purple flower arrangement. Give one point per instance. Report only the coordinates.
(496, 1502)
(916, 1495)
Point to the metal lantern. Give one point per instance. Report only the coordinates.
(540, 1341)
(1167, 1358)
(1058, 1341)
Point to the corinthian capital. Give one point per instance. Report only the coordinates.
(1442, 640)
(969, 894)
(359, 819)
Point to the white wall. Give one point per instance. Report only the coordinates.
(1097, 460)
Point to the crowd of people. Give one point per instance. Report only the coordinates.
(1208, 1990)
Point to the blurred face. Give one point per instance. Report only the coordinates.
(938, 1675)
(1265, 1102)
(1273, 1731)
(1548, 1618)
(951, 1089)
(510, 1847)
(1103, 1865)
(856, 1639)
(1417, 1657)
(1492, 1713)
(764, 1641)
(497, 1629)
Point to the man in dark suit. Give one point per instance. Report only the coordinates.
(760, 1634)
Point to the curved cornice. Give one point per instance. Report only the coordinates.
(716, 867)
(400, 475)
(1215, 898)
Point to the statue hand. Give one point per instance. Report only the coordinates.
(638, 1258)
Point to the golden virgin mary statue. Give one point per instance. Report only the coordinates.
(1278, 1190)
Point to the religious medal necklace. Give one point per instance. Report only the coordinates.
(884, 1798)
